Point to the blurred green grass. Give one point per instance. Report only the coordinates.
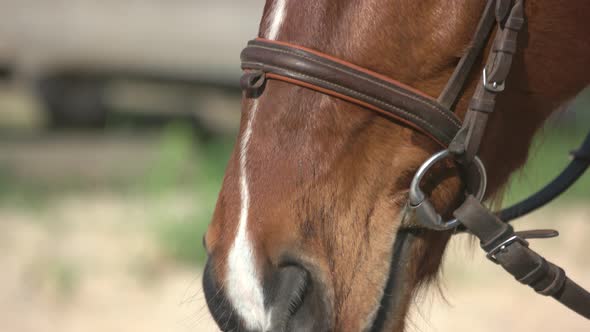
(180, 237)
(183, 165)
(550, 154)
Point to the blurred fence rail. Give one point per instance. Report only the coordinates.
(70, 53)
(196, 38)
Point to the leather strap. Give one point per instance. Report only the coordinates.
(582, 155)
(450, 94)
(510, 250)
(509, 18)
(335, 77)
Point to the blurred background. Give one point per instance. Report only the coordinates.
(117, 118)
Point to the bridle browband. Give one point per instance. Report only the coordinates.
(268, 59)
(341, 79)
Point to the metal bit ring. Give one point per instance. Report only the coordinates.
(426, 215)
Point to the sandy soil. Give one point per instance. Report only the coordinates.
(87, 263)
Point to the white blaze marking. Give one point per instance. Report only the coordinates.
(277, 15)
(243, 288)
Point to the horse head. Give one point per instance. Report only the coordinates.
(309, 231)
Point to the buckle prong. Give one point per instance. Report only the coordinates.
(491, 255)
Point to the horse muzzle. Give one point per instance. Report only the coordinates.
(293, 299)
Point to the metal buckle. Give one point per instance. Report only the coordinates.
(491, 255)
(492, 86)
(425, 213)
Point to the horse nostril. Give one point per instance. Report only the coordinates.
(288, 288)
(298, 301)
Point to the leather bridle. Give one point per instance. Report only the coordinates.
(268, 59)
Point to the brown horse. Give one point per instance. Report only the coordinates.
(307, 234)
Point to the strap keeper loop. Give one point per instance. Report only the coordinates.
(535, 274)
(485, 105)
(253, 83)
(507, 44)
(514, 23)
(557, 282)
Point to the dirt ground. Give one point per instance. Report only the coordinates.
(86, 263)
